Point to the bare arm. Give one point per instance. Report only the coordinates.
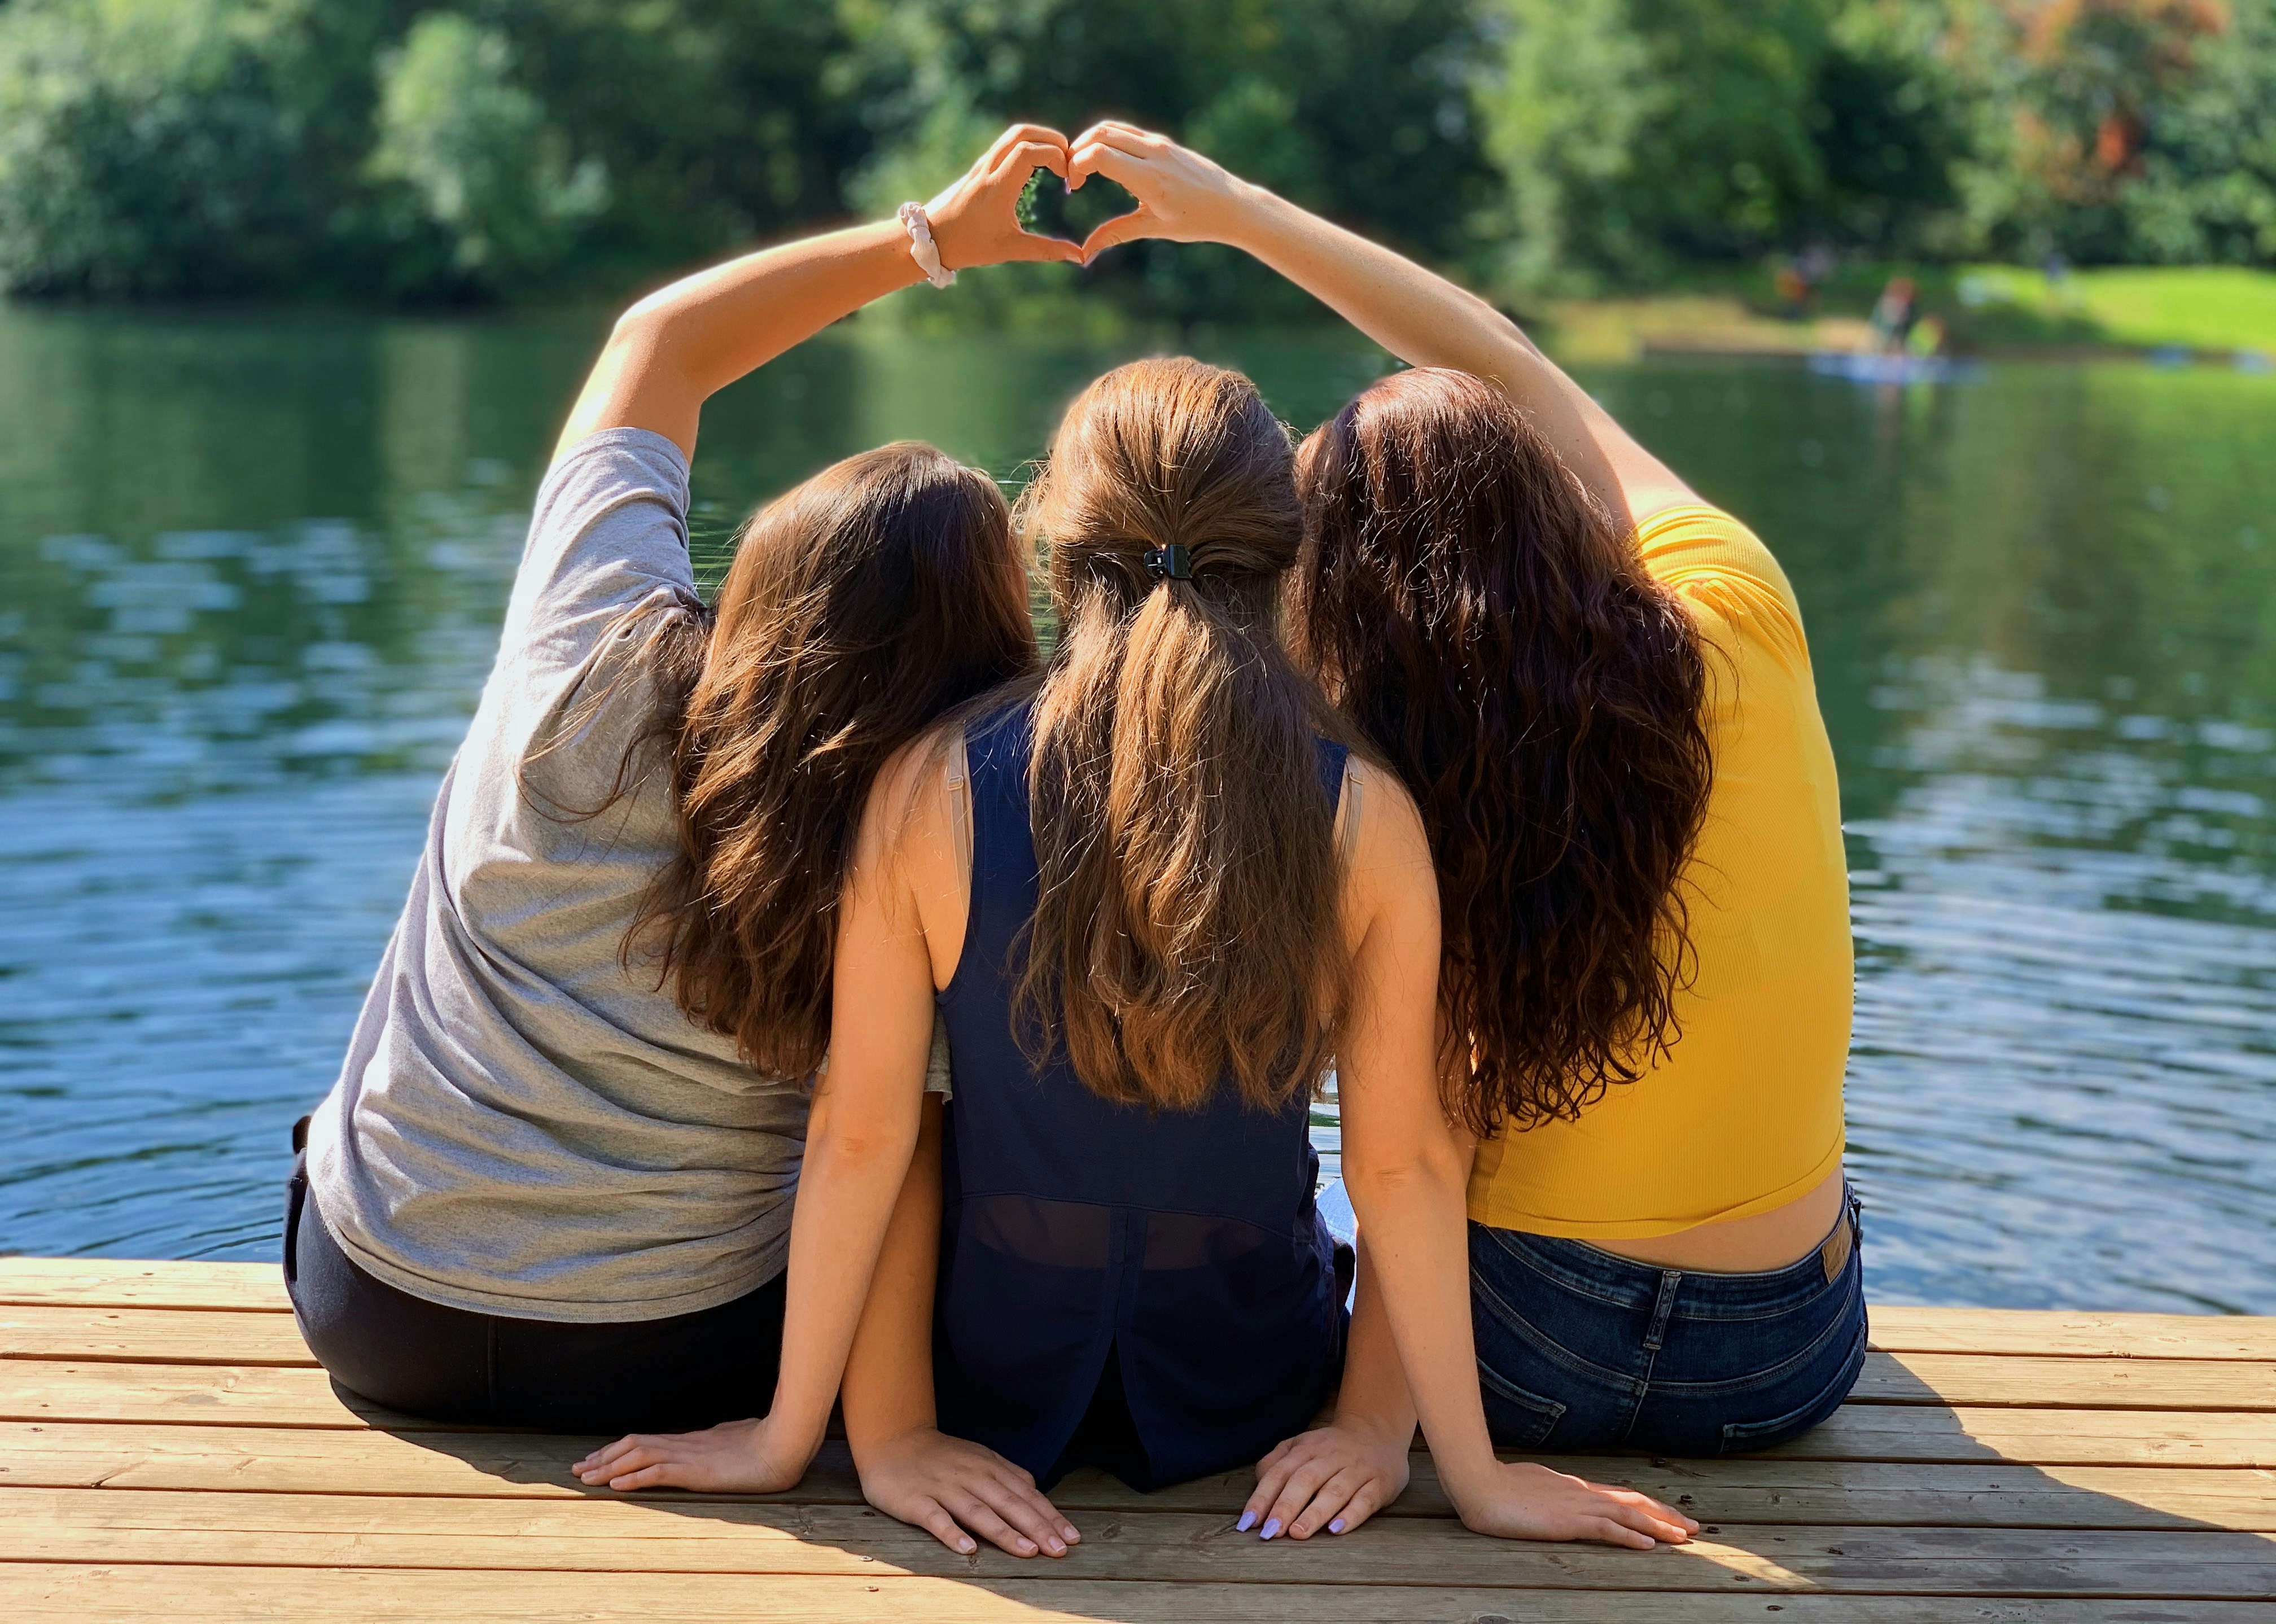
(679, 345)
(859, 1139)
(1406, 1171)
(909, 1468)
(1337, 1476)
(1415, 314)
(888, 1389)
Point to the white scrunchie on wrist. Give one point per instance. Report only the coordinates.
(921, 246)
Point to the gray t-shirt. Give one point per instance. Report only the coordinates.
(522, 1126)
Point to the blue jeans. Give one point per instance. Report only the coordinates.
(1581, 1349)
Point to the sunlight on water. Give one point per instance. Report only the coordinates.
(253, 569)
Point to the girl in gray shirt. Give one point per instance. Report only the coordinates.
(553, 1185)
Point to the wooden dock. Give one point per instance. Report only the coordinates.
(171, 1451)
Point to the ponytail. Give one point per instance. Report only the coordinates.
(1186, 928)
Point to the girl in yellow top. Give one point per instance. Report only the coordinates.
(1597, 690)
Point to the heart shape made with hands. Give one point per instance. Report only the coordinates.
(1047, 209)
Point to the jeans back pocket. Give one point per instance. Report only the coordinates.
(1516, 1418)
(1744, 1437)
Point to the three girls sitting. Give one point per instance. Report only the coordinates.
(1152, 892)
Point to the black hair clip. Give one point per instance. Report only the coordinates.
(1174, 561)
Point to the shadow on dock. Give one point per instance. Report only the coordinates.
(1892, 1498)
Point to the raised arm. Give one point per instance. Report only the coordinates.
(1406, 1170)
(1416, 314)
(673, 350)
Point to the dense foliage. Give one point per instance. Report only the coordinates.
(455, 149)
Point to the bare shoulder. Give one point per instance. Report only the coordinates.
(1390, 868)
(907, 816)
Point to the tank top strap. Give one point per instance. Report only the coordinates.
(1333, 757)
(1003, 880)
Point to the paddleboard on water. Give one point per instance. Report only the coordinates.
(1862, 367)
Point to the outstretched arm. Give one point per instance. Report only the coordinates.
(909, 1468)
(1337, 1476)
(1406, 1170)
(679, 345)
(1416, 314)
(859, 1140)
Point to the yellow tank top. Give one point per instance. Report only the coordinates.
(1745, 1112)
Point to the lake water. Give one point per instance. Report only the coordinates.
(251, 569)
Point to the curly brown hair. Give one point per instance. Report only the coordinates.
(1491, 628)
(1187, 931)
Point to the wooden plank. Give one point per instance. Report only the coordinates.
(120, 1283)
(114, 1594)
(271, 1396)
(191, 1336)
(262, 1395)
(158, 1336)
(623, 1537)
(2044, 1382)
(258, 1395)
(516, 1465)
(2046, 1438)
(2066, 1333)
(101, 1282)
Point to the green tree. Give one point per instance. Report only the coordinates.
(475, 159)
(167, 147)
(182, 147)
(715, 120)
(1896, 118)
(1358, 107)
(1633, 134)
(2206, 187)
(1637, 136)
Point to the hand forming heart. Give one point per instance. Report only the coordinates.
(1182, 197)
(1048, 208)
(975, 219)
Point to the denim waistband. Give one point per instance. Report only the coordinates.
(1592, 1272)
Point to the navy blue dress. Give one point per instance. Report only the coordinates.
(1147, 1291)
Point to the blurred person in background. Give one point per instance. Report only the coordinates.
(1895, 312)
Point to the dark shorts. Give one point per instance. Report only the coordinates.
(671, 1375)
(1582, 1349)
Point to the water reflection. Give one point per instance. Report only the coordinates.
(252, 573)
(2037, 606)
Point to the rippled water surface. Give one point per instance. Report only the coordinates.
(251, 569)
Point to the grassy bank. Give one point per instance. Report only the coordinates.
(2207, 309)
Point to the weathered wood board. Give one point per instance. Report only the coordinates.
(169, 1449)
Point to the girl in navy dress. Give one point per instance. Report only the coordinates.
(1153, 895)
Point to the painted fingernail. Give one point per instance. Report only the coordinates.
(1337, 1526)
(1272, 1527)
(1247, 1521)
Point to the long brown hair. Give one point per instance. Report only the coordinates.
(1187, 925)
(860, 606)
(1492, 628)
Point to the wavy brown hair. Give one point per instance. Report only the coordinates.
(1186, 929)
(861, 605)
(1492, 628)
